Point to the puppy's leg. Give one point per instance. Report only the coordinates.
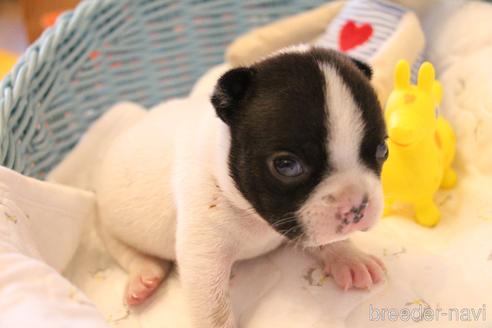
(204, 259)
(145, 273)
(349, 266)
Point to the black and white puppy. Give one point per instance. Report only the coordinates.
(290, 148)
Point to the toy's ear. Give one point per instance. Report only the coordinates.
(230, 90)
(426, 77)
(402, 75)
(365, 68)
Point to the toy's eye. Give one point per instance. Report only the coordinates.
(287, 167)
(382, 152)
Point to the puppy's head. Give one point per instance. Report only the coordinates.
(306, 142)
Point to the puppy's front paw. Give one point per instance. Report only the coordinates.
(352, 268)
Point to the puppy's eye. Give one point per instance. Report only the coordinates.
(288, 166)
(382, 152)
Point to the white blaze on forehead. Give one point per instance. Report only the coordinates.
(345, 123)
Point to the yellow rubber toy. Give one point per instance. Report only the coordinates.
(421, 145)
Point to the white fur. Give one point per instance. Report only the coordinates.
(350, 180)
(164, 190)
(157, 192)
(345, 122)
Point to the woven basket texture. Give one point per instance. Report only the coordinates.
(107, 51)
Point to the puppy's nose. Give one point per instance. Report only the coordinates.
(359, 211)
(350, 213)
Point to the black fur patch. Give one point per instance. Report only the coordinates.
(230, 90)
(280, 106)
(366, 69)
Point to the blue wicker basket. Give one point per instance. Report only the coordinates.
(112, 50)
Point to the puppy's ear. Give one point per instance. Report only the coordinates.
(365, 68)
(230, 90)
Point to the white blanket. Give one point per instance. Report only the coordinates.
(446, 270)
(40, 228)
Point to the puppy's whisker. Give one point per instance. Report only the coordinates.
(286, 232)
(283, 220)
(284, 223)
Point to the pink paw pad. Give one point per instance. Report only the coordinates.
(140, 288)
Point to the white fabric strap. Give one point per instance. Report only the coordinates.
(362, 27)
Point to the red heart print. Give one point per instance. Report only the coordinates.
(352, 35)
